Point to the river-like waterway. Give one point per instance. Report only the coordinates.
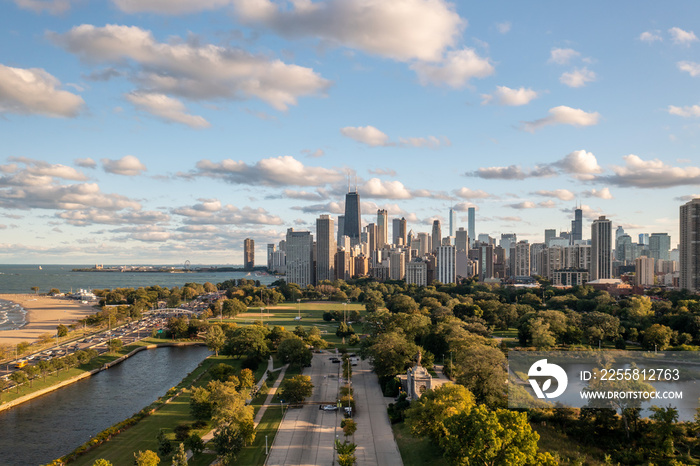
(53, 425)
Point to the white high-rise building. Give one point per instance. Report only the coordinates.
(325, 248)
(461, 240)
(690, 246)
(417, 272)
(521, 261)
(644, 271)
(601, 249)
(446, 267)
(424, 244)
(299, 247)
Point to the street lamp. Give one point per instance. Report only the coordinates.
(299, 308)
(261, 314)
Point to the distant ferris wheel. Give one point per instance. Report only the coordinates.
(187, 265)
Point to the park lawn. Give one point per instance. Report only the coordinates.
(416, 451)
(142, 436)
(567, 449)
(510, 333)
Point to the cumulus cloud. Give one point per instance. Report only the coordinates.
(681, 37)
(98, 216)
(273, 171)
(85, 163)
(403, 30)
(688, 197)
(467, 193)
(166, 108)
(53, 7)
(328, 208)
(376, 188)
(305, 195)
(561, 194)
(212, 212)
(512, 172)
(169, 7)
(649, 36)
(192, 70)
(314, 154)
(563, 115)
(33, 91)
(581, 164)
(599, 193)
(455, 70)
(382, 171)
(523, 205)
(689, 67)
(686, 112)
(126, 166)
(507, 96)
(366, 135)
(655, 173)
(578, 77)
(562, 56)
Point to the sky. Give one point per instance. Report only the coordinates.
(159, 131)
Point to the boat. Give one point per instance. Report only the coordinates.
(39, 267)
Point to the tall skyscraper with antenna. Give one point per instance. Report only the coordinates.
(453, 221)
(577, 226)
(471, 227)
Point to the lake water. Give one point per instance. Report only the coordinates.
(48, 427)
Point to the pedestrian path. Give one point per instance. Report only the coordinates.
(270, 394)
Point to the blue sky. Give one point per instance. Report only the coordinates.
(154, 131)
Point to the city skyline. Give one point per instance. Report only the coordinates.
(151, 132)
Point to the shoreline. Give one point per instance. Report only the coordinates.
(43, 315)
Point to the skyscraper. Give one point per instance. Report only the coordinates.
(353, 218)
(446, 264)
(372, 236)
(453, 221)
(341, 228)
(437, 234)
(471, 226)
(325, 249)
(461, 240)
(270, 251)
(660, 246)
(549, 234)
(521, 259)
(248, 254)
(398, 231)
(577, 226)
(601, 249)
(690, 246)
(382, 228)
(299, 246)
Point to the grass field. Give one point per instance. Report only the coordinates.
(567, 449)
(416, 451)
(142, 436)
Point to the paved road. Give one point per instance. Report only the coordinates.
(306, 435)
(374, 438)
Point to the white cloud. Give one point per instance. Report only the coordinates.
(562, 56)
(467, 193)
(578, 78)
(648, 36)
(689, 67)
(523, 205)
(376, 188)
(212, 212)
(686, 112)
(561, 194)
(512, 172)
(599, 193)
(167, 108)
(126, 166)
(85, 163)
(329, 207)
(314, 154)
(170, 7)
(681, 37)
(504, 27)
(655, 173)
(273, 171)
(563, 115)
(53, 7)
(507, 96)
(305, 195)
(34, 91)
(382, 171)
(583, 165)
(403, 30)
(192, 70)
(455, 70)
(98, 216)
(430, 142)
(366, 135)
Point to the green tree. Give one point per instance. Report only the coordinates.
(657, 337)
(146, 458)
(44, 368)
(248, 341)
(215, 339)
(392, 353)
(233, 307)
(115, 344)
(481, 436)
(426, 416)
(246, 379)
(3, 385)
(665, 428)
(402, 303)
(195, 444)
(542, 337)
(349, 427)
(482, 369)
(164, 445)
(297, 388)
(102, 462)
(200, 404)
(180, 458)
(61, 331)
(295, 352)
(32, 371)
(19, 378)
(346, 453)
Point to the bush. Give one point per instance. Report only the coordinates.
(182, 431)
(251, 363)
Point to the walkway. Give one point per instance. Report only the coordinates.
(271, 393)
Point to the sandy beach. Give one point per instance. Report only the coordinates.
(44, 313)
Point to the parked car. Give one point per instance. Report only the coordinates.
(328, 407)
